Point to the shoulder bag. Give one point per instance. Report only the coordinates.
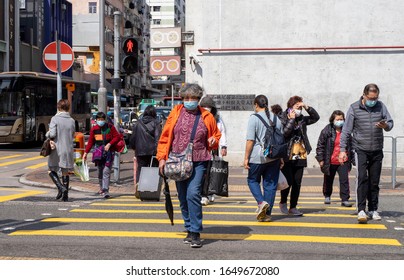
(179, 166)
(46, 148)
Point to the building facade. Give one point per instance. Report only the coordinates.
(86, 42)
(26, 27)
(283, 48)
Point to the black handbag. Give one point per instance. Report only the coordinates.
(46, 148)
(216, 180)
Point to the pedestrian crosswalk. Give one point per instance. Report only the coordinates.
(31, 162)
(225, 219)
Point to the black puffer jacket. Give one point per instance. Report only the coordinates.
(145, 142)
(298, 127)
(325, 148)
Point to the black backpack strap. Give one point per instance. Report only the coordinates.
(264, 122)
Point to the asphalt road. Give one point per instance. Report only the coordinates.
(34, 225)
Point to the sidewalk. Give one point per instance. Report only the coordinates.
(312, 180)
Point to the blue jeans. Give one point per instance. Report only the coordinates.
(270, 174)
(189, 195)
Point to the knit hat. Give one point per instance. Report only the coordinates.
(207, 101)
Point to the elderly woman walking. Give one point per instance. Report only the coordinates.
(61, 132)
(182, 121)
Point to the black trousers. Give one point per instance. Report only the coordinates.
(369, 166)
(343, 173)
(294, 176)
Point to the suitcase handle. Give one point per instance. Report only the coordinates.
(151, 160)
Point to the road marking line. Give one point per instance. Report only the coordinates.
(213, 236)
(12, 156)
(20, 160)
(305, 176)
(214, 222)
(39, 165)
(149, 211)
(218, 201)
(20, 195)
(215, 205)
(231, 198)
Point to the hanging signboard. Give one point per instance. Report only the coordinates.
(165, 65)
(165, 37)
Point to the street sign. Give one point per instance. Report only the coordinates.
(70, 86)
(49, 57)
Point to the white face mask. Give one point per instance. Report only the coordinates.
(206, 108)
(298, 112)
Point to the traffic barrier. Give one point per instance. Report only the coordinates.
(78, 146)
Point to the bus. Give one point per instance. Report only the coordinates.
(28, 102)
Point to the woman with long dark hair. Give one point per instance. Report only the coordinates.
(259, 166)
(144, 139)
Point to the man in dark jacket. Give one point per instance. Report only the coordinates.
(365, 121)
(144, 139)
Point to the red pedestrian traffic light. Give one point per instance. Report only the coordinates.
(130, 60)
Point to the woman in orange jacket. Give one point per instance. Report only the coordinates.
(175, 137)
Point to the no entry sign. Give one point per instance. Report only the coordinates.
(49, 57)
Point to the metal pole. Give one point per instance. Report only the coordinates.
(17, 37)
(59, 74)
(172, 96)
(102, 91)
(117, 94)
(394, 162)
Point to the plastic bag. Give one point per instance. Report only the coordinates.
(282, 182)
(81, 170)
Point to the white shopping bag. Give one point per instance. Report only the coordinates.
(282, 182)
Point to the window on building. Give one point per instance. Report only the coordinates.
(92, 7)
(156, 8)
(157, 21)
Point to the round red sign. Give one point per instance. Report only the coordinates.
(49, 57)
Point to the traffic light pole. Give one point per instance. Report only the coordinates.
(117, 94)
(102, 91)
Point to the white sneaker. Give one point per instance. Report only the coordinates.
(262, 210)
(376, 216)
(362, 217)
(205, 201)
(211, 198)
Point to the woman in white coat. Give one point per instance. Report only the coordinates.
(61, 132)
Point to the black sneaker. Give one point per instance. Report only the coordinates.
(196, 240)
(188, 238)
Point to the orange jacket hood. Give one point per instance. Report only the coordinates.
(167, 135)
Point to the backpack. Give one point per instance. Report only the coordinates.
(274, 144)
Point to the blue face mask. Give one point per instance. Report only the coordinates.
(100, 123)
(339, 123)
(191, 105)
(370, 103)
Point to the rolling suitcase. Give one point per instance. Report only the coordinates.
(150, 182)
